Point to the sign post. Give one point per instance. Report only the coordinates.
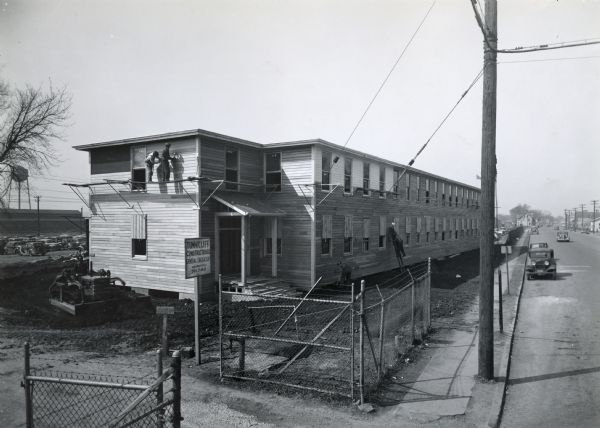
(197, 263)
(165, 311)
(506, 249)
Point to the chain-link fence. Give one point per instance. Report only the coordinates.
(67, 398)
(338, 342)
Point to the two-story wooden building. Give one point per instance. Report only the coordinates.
(286, 210)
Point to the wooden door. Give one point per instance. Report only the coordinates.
(230, 245)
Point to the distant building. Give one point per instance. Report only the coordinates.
(525, 220)
(15, 222)
(595, 225)
(285, 210)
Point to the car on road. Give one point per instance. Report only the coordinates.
(541, 262)
(535, 231)
(562, 236)
(36, 248)
(14, 246)
(535, 245)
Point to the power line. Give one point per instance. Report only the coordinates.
(549, 59)
(524, 49)
(388, 75)
(412, 161)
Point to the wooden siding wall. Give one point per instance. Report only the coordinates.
(381, 259)
(250, 163)
(295, 199)
(170, 220)
(185, 147)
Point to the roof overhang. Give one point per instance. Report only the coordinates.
(247, 205)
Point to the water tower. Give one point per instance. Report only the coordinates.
(19, 175)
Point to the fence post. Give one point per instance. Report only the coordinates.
(428, 294)
(381, 331)
(220, 329)
(27, 386)
(352, 342)
(500, 315)
(412, 312)
(159, 390)
(176, 365)
(361, 340)
(242, 366)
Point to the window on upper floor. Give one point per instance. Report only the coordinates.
(382, 220)
(138, 168)
(366, 234)
(395, 185)
(326, 171)
(232, 169)
(382, 181)
(347, 175)
(418, 189)
(366, 178)
(407, 187)
(427, 184)
(273, 172)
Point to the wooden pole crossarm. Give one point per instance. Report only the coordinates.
(321, 333)
(296, 308)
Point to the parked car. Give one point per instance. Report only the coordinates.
(541, 262)
(53, 244)
(36, 248)
(14, 247)
(535, 231)
(535, 245)
(562, 236)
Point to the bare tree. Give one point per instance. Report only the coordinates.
(30, 121)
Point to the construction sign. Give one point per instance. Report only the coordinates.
(197, 257)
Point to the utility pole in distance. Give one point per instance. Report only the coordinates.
(488, 180)
(37, 198)
(582, 206)
(594, 217)
(566, 221)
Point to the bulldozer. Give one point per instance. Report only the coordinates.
(83, 292)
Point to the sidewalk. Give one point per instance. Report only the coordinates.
(448, 385)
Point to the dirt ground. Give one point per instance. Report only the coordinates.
(127, 346)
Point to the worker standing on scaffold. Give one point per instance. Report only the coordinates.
(398, 245)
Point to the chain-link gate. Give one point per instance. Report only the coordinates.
(59, 399)
(340, 345)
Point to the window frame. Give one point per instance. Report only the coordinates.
(326, 166)
(366, 179)
(139, 237)
(273, 187)
(347, 177)
(366, 234)
(381, 182)
(232, 185)
(327, 240)
(348, 234)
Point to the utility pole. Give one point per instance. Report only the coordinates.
(582, 205)
(37, 198)
(566, 220)
(575, 218)
(488, 181)
(594, 217)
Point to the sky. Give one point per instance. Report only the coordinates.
(272, 70)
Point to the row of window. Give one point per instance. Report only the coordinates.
(427, 190)
(435, 229)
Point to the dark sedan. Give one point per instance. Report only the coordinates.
(541, 262)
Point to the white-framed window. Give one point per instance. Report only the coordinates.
(395, 187)
(366, 178)
(348, 234)
(407, 186)
(455, 196)
(443, 194)
(382, 220)
(408, 231)
(435, 191)
(273, 172)
(382, 181)
(366, 234)
(427, 189)
(418, 188)
(347, 175)
(269, 236)
(450, 195)
(232, 166)
(326, 171)
(139, 242)
(326, 235)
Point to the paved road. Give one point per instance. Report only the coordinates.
(555, 370)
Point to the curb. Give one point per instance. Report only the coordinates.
(504, 368)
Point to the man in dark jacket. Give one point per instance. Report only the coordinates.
(398, 245)
(164, 163)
